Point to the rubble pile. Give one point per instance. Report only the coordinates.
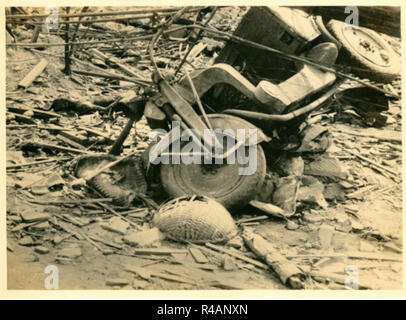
(331, 202)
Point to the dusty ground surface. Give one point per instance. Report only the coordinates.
(363, 220)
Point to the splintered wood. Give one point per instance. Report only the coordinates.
(33, 74)
(287, 271)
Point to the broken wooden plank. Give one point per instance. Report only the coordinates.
(96, 172)
(287, 271)
(34, 163)
(337, 278)
(65, 227)
(22, 226)
(111, 76)
(202, 266)
(33, 74)
(252, 219)
(270, 209)
(173, 278)
(32, 144)
(75, 136)
(359, 192)
(223, 285)
(102, 250)
(97, 133)
(158, 251)
(351, 255)
(107, 243)
(248, 224)
(136, 213)
(376, 134)
(198, 255)
(70, 142)
(19, 117)
(79, 105)
(375, 164)
(238, 256)
(35, 126)
(141, 271)
(115, 61)
(37, 113)
(78, 202)
(99, 13)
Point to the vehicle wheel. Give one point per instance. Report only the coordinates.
(221, 182)
(367, 53)
(326, 35)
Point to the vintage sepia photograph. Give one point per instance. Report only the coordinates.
(203, 148)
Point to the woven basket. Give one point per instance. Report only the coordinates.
(195, 219)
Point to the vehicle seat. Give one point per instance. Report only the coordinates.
(308, 80)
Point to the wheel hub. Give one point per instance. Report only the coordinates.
(370, 48)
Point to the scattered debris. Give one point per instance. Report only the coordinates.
(291, 225)
(33, 74)
(198, 255)
(71, 194)
(270, 209)
(285, 194)
(30, 215)
(312, 191)
(147, 238)
(229, 264)
(41, 250)
(315, 138)
(325, 234)
(288, 165)
(26, 241)
(334, 191)
(142, 272)
(139, 284)
(286, 270)
(123, 183)
(116, 224)
(158, 251)
(70, 252)
(325, 166)
(117, 282)
(237, 255)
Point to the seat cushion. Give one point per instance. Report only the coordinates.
(271, 95)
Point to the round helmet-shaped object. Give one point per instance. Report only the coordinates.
(196, 219)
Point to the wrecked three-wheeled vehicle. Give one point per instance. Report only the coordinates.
(251, 88)
(266, 81)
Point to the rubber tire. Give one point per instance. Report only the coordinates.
(325, 34)
(362, 66)
(238, 197)
(232, 190)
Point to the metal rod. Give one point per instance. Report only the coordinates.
(194, 43)
(123, 39)
(285, 117)
(67, 69)
(46, 44)
(154, 40)
(72, 48)
(292, 57)
(199, 102)
(121, 19)
(92, 14)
